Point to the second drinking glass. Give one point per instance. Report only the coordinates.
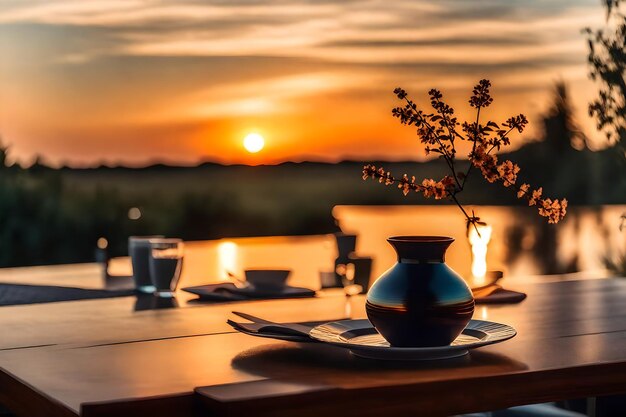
(166, 261)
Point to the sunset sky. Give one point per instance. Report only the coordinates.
(134, 82)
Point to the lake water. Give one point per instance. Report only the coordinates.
(522, 245)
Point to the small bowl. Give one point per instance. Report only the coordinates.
(267, 279)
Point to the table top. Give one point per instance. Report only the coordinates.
(102, 357)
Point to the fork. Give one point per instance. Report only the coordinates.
(252, 318)
(301, 328)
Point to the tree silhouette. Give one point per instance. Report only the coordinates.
(607, 59)
(561, 130)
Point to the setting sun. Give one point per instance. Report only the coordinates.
(253, 142)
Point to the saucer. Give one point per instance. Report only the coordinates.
(362, 339)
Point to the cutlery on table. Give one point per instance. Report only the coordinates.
(261, 325)
(270, 328)
(251, 318)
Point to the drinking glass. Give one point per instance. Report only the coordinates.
(139, 252)
(166, 262)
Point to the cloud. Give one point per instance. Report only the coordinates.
(84, 66)
(449, 41)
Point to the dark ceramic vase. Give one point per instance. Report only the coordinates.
(420, 301)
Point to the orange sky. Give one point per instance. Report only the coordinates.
(133, 82)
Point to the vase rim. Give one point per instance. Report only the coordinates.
(421, 239)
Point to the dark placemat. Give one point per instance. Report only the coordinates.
(17, 294)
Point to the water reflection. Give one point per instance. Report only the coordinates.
(305, 256)
(521, 243)
(479, 237)
(226, 259)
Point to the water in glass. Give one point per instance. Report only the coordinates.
(166, 259)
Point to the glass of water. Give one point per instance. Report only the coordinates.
(139, 252)
(166, 262)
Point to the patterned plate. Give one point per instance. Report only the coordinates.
(362, 339)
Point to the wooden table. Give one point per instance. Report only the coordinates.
(101, 357)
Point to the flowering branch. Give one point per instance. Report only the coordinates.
(438, 131)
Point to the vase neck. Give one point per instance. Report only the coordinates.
(420, 249)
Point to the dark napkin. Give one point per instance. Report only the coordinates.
(295, 332)
(291, 329)
(495, 294)
(17, 294)
(227, 291)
